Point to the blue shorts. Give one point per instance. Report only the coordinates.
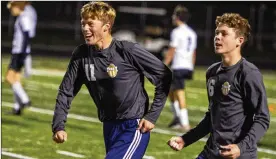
(123, 141)
(201, 156)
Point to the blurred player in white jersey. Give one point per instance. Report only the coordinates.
(24, 30)
(181, 55)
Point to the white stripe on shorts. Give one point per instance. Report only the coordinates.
(136, 145)
(135, 142)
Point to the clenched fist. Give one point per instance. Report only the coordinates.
(176, 143)
(60, 136)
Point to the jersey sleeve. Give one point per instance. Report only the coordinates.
(68, 89)
(158, 74)
(173, 38)
(26, 23)
(256, 100)
(203, 128)
(194, 42)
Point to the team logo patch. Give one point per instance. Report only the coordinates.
(112, 70)
(225, 88)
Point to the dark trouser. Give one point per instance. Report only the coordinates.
(17, 61)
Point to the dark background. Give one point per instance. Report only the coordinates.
(58, 30)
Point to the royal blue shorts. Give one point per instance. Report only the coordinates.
(123, 140)
(202, 156)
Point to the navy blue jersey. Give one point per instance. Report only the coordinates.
(115, 80)
(238, 111)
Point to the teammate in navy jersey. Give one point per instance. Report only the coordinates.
(24, 30)
(113, 71)
(181, 55)
(238, 114)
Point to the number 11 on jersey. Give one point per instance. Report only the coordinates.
(90, 72)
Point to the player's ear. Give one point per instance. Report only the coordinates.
(106, 27)
(240, 40)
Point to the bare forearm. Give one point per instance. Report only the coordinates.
(194, 57)
(169, 56)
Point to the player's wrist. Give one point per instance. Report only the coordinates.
(57, 130)
(240, 146)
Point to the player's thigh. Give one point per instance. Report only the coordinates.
(10, 76)
(141, 149)
(129, 145)
(17, 76)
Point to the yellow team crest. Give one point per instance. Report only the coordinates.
(225, 88)
(112, 70)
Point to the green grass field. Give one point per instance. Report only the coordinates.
(30, 134)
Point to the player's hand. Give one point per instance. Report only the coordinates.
(176, 143)
(231, 151)
(60, 136)
(145, 126)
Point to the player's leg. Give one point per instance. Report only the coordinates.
(10, 78)
(181, 98)
(174, 102)
(124, 141)
(174, 108)
(28, 66)
(13, 78)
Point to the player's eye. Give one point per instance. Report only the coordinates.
(224, 34)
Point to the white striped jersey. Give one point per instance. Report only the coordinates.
(184, 40)
(26, 21)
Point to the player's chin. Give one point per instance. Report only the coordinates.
(219, 51)
(90, 42)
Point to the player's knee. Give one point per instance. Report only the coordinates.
(17, 77)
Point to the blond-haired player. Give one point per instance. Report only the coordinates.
(114, 72)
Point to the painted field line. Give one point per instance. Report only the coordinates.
(267, 151)
(51, 112)
(148, 157)
(14, 155)
(6, 149)
(91, 119)
(66, 153)
(43, 72)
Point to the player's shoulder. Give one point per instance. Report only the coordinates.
(175, 31)
(213, 68)
(191, 30)
(80, 50)
(124, 44)
(248, 67)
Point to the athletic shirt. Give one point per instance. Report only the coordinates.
(26, 21)
(184, 40)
